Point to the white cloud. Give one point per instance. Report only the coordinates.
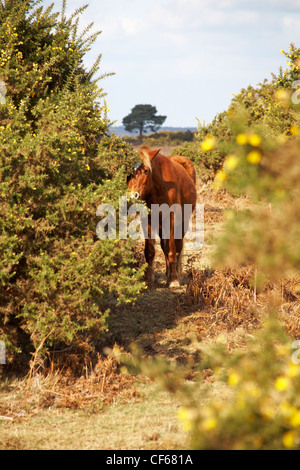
(284, 4)
(132, 26)
(292, 24)
(190, 15)
(176, 38)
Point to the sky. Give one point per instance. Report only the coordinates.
(186, 57)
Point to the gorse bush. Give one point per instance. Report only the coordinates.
(57, 164)
(263, 411)
(263, 162)
(268, 235)
(254, 404)
(256, 144)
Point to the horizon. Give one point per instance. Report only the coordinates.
(120, 131)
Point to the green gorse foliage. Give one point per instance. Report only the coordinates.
(57, 164)
(262, 161)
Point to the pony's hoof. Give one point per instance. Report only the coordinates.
(174, 284)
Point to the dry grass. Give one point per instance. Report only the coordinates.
(145, 422)
(63, 388)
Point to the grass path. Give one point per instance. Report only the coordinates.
(146, 422)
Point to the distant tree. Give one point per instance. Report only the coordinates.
(143, 118)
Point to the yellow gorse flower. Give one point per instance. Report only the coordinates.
(220, 177)
(295, 419)
(282, 383)
(209, 423)
(294, 130)
(254, 140)
(288, 439)
(233, 379)
(231, 162)
(208, 143)
(242, 139)
(293, 370)
(254, 157)
(186, 416)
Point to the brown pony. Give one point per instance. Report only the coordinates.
(164, 180)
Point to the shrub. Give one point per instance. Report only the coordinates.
(263, 162)
(263, 411)
(162, 138)
(56, 166)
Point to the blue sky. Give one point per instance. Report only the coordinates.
(186, 57)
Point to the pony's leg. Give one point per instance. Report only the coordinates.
(179, 253)
(165, 248)
(149, 256)
(173, 276)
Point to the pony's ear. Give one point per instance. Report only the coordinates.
(147, 155)
(153, 153)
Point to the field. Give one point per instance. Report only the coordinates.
(101, 406)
